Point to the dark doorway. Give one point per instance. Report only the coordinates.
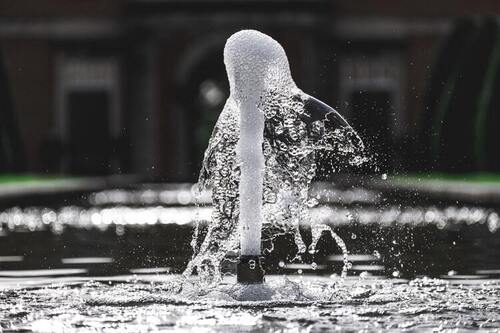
(371, 118)
(206, 93)
(12, 155)
(89, 132)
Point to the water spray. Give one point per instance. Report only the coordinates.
(249, 268)
(257, 65)
(254, 61)
(261, 87)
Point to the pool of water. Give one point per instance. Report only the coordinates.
(112, 260)
(149, 303)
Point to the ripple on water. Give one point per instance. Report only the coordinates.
(284, 303)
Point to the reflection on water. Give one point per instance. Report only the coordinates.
(109, 259)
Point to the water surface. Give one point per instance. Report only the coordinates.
(110, 261)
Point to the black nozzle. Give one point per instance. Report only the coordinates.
(249, 270)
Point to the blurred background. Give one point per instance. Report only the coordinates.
(106, 108)
(93, 87)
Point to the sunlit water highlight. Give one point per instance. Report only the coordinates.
(374, 296)
(152, 303)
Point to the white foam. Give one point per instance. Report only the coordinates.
(255, 63)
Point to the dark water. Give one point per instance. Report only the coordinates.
(110, 261)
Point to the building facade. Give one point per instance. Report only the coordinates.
(135, 86)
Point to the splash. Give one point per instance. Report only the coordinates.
(150, 304)
(299, 131)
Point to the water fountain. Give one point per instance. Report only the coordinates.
(115, 258)
(262, 156)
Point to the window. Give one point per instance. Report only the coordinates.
(88, 117)
(371, 90)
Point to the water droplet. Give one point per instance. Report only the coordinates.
(312, 203)
(120, 230)
(270, 197)
(279, 129)
(317, 128)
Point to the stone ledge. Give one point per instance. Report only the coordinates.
(21, 190)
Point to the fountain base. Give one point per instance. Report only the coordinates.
(249, 270)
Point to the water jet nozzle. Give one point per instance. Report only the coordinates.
(249, 270)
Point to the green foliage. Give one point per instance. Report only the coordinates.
(28, 178)
(480, 177)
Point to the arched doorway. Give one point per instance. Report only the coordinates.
(205, 92)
